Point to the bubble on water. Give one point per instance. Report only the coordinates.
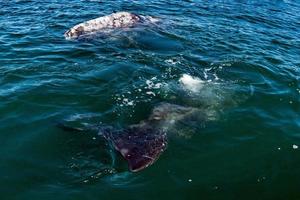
(123, 100)
(205, 75)
(172, 61)
(152, 85)
(216, 77)
(130, 103)
(144, 91)
(150, 93)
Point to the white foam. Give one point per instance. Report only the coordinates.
(152, 85)
(172, 61)
(150, 93)
(191, 83)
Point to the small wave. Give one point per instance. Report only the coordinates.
(26, 85)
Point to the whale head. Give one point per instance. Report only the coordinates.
(74, 32)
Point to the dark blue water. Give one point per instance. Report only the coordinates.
(244, 56)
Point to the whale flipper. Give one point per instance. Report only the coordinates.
(141, 145)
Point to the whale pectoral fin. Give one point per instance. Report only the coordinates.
(140, 146)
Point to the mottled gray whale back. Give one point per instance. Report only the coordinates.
(112, 21)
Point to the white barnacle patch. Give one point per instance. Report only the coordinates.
(124, 152)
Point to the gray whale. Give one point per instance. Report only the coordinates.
(112, 21)
(142, 144)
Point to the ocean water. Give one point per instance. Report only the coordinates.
(237, 61)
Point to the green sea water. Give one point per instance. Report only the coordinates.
(245, 56)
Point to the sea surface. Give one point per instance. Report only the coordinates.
(236, 61)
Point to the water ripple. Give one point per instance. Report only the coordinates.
(245, 54)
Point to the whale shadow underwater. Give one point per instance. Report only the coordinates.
(143, 143)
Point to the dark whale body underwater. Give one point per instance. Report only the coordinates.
(142, 144)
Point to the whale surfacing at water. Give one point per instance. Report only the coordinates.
(112, 21)
(142, 144)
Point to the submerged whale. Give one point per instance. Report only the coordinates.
(112, 21)
(142, 144)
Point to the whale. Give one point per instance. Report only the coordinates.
(108, 22)
(143, 143)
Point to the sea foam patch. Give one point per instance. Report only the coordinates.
(191, 83)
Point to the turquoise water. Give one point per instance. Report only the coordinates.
(246, 54)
